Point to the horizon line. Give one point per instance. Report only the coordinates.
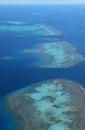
(42, 3)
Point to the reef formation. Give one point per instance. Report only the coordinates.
(25, 28)
(49, 105)
(60, 54)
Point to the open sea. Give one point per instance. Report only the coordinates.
(17, 74)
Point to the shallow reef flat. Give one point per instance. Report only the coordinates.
(13, 22)
(25, 28)
(58, 54)
(49, 105)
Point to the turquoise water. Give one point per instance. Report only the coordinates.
(16, 74)
(7, 121)
(58, 127)
(54, 111)
(37, 29)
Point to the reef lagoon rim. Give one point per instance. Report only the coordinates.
(59, 54)
(25, 28)
(49, 105)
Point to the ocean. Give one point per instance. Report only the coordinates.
(19, 73)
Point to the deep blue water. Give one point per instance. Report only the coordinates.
(69, 19)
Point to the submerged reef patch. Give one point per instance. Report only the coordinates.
(58, 54)
(35, 29)
(7, 58)
(14, 22)
(50, 105)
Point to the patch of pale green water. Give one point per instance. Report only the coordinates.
(37, 96)
(43, 87)
(58, 113)
(53, 111)
(38, 29)
(46, 88)
(58, 56)
(42, 91)
(14, 22)
(43, 106)
(17, 28)
(57, 51)
(58, 126)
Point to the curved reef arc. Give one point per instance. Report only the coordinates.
(59, 54)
